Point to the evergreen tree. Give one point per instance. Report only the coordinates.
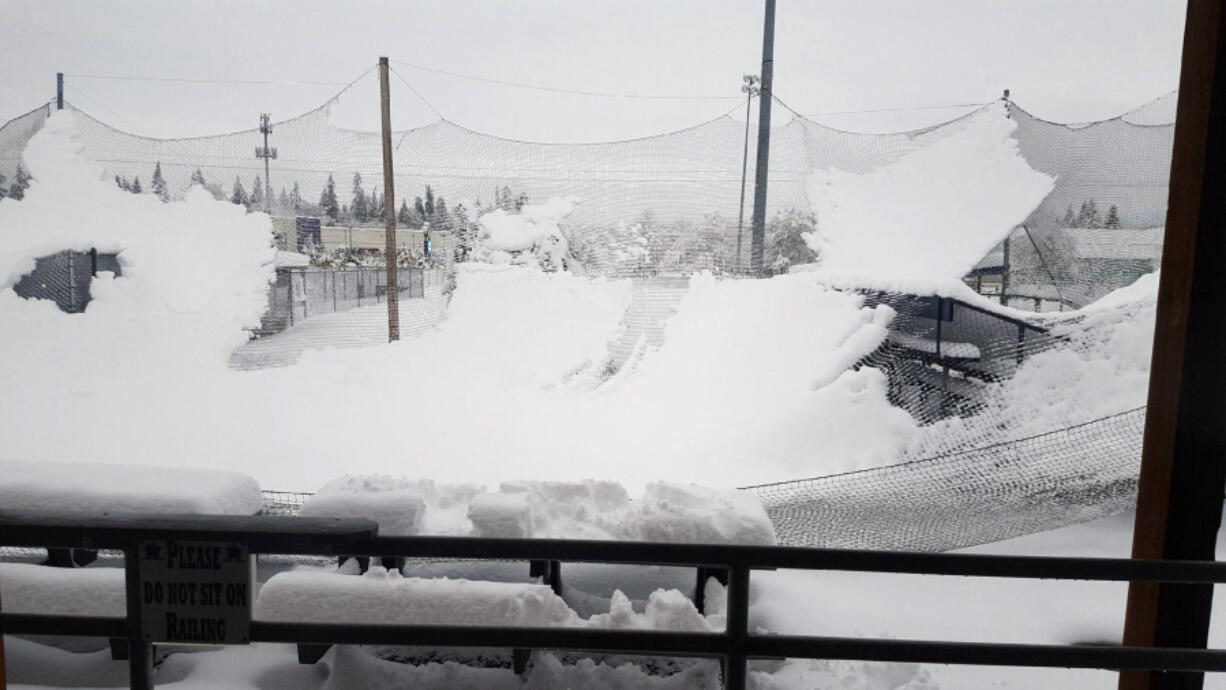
(375, 205)
(197, 178)
(122, 184)
(327, 201)
(520, 201)
(239, 195)
(420, 210)
(403, 216)
(465, 235)
(135, 188)
(1069, 220)
(429, 206)
(1088, 216)
(1113, 217)
(295, 199)
(21, 182)
(441, 219)
(158, 186)
(256, 201)
(359, 206)
(3, 192)
(283, 202)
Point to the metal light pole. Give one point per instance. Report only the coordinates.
(750, 89)
(266, 153)
(758, 235)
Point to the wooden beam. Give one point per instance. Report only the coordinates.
(1183, 468)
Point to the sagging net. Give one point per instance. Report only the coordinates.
(994, 458)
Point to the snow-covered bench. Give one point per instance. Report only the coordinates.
(112, 489)
(103, 489)
(589, 509)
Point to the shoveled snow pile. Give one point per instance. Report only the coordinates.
(40, 589)
(78, 487)
(530, 237)
(929, 217)
(382, 596)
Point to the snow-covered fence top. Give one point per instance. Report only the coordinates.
(65, 487)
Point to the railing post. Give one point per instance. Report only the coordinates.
(140, 652)
(735, 666)
(3, 677)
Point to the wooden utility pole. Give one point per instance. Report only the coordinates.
(757, 240)
(389, 207)
(1183, 467)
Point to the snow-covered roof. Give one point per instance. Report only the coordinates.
(1117, 243)
(993, 259)
(927, 219)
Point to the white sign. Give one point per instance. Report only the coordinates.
(196, 592)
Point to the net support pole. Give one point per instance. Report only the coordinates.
(389, 207)
(1183, 466)
(59, 90)
(765, 96)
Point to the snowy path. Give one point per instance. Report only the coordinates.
(653, 303)
(358, 327)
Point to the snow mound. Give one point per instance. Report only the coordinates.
(695, 514)
(530, 237)
(402, 507)
(754, 383)
(195, 272)
(382, 596)
(68, 487)
(929, 217)
(47, 591)
(603, 510)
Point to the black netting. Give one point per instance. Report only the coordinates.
(972, 497)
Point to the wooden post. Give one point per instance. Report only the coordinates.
(757, 233)
(1183, 467)
(59, 90)
(389, 207)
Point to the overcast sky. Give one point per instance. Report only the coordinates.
(1066, 60)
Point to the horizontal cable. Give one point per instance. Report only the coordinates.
(897, 110)
(209, 81)
(572, 92)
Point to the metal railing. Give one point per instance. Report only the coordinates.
(735, 646)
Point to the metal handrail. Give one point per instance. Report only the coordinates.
(734, 646)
